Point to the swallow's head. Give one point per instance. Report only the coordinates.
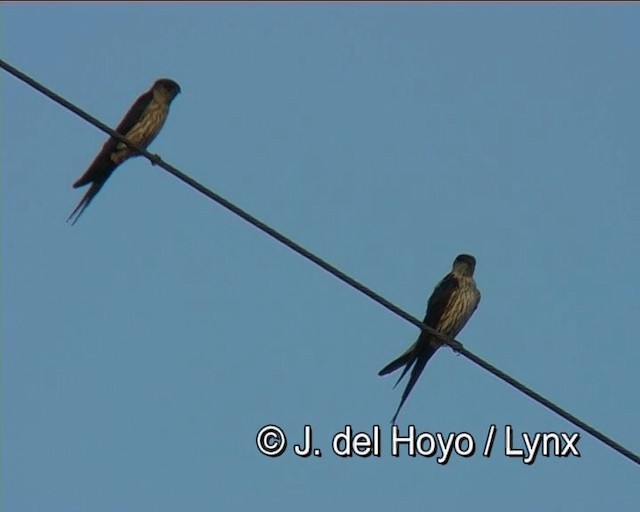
(172, 88)
(464, 264)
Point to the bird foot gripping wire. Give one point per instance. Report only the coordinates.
(456, 346)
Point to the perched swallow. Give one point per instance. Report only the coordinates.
(140, 125)
(450, 306)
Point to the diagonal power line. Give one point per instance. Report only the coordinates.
(456, 345)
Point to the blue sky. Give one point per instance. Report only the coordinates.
(144, 347)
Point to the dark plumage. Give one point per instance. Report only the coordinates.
(140, 125)
(450, 306)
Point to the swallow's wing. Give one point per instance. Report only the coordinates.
(135, 113)
(440, 300)
(436, 307)
(424, 348)
(102, 166)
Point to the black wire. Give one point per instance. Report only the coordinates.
(456, 345)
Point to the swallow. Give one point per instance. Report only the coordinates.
(450, 307)
(140, 126)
